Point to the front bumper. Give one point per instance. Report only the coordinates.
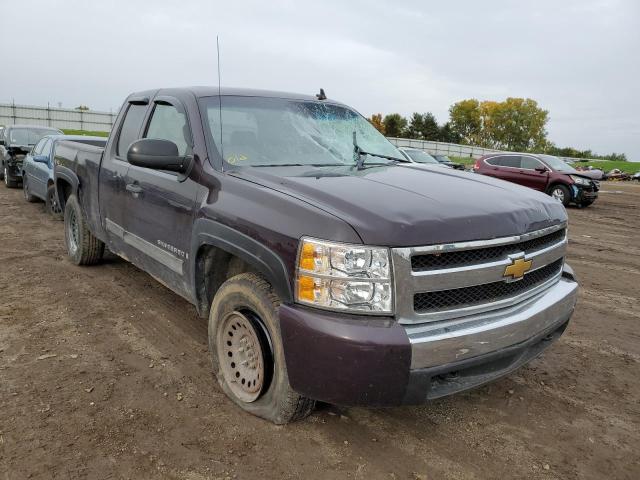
(360, 360)
(14, 167)
(583, 194)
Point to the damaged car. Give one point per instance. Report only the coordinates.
(15, 143)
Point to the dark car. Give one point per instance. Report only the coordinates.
(330, 268)
(15, 143)
(37, 169)
(544, 173)
(443, 159)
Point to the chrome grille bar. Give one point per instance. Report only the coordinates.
(409, 282)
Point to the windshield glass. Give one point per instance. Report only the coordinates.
(420, 156)
(28, 136)
(556, 164)
(259, 131)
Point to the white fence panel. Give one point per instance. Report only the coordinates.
(11, 114)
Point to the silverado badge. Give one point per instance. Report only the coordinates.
(517, 268)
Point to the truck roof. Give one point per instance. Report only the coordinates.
(211, 91)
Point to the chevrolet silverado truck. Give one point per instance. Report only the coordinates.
(329, 268)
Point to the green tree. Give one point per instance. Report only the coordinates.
(82, 107)
(416, 126)
(465, 120)
(446, 134)
(430, 129)
(517, 124)
(395, 125)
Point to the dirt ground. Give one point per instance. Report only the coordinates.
(105, 374)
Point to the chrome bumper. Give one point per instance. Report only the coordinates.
(450, 341)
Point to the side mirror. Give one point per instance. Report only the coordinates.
(541, 170)
(158, 155)
(41, 159)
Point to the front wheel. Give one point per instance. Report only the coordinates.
(247, 352)
(82, 246)
(561, 193)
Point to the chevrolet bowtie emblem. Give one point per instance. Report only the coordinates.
(517, 268)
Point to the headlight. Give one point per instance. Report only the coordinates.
(339, 276)
(580, 180)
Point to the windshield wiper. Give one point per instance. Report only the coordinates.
(359, 154)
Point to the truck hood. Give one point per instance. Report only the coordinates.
(411, 204)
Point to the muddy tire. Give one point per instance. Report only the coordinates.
(9, 181)
(561, 193)
(51, 204)
(82, 246)
(247, 353)
(25, 190)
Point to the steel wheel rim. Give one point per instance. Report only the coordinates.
(241, 356)
(558, 194)
(72, 232)
(53, 204)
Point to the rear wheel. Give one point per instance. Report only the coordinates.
(52, 205)
(82, 246)
(561, 193)
(9, 181)
(25, 190)
(247, 352)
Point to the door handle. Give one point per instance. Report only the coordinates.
(133, 188)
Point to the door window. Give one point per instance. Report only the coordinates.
(37, 149)
(531, 163)
(167, 123)
(130, 128)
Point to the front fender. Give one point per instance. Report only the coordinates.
(254, 253)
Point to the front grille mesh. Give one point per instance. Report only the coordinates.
(487, 293)
(437, 261)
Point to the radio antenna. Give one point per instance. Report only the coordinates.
(219, 98)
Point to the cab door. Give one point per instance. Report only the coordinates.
(160, 204)
(29, 166)
(113, 171)
(41, 172)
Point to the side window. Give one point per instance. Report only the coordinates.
(167, 123)
(46, 147)
(37, 149)
(531, 163)
(512, 161)
(130, 128)
(495, 161)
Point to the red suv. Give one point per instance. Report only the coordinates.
(545, 173)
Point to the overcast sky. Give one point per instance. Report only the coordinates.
(579, 59)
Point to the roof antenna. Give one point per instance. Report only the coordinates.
(219, 98)
(321, 95)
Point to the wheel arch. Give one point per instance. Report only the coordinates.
(220, 252)
(66, 182)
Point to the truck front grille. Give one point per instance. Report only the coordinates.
(487, 293)
(448, 281)
(482, 255)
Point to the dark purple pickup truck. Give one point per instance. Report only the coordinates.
(329, 268)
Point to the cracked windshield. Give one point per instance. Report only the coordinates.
(276, 131)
